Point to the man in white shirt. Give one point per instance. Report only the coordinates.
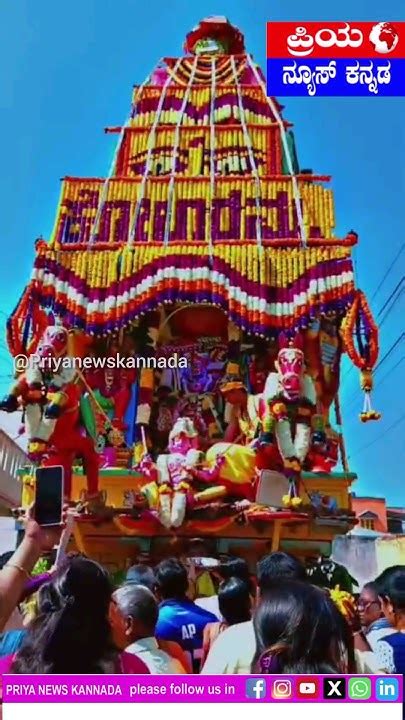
(133, 616)
(233, 651)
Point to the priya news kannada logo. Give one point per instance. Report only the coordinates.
(384, 37)
(336, 59)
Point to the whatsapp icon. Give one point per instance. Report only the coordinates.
(360, 688)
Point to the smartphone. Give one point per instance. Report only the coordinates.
(48, 506)
(204, 562)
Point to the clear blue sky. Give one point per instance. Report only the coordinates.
(66, 71)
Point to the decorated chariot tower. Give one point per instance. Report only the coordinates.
(206, 242)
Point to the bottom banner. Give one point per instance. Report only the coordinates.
(44, 689)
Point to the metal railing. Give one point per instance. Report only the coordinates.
(12, 457)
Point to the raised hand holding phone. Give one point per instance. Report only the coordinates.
(48, 505)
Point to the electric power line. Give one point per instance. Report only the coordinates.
(395, 290)
(383, 359)
(380, 383)
(391, 427)
(391, 307)
(387, 272)
(388, 353)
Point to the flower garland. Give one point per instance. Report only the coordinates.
(198, 109)
(148, 164)
(262, 291)
(133, 210)
(364, 358)
(359, 323)
(248, 144)
(297, 196)
(173, 162)
(293, 449)
(212, 155)
(223, 70)
(146, 388)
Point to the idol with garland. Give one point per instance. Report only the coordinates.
(173, 473)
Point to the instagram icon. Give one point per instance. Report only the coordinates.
(281, 690)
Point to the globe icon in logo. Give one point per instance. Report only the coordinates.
(384, 37)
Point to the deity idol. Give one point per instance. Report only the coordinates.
(174, 472)
(242, 455)
(198, 401)
(112, 385)
(50, 402)
(290, 397)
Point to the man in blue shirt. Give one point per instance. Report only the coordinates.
(180, 619)
(11, 641)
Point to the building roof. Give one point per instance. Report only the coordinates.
(368, 515)
(364, 532)
(398, 512)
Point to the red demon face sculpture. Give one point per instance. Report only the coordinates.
(53, 342)
(290, 364)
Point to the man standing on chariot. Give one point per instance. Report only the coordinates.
(242, 411)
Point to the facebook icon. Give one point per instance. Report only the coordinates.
(387, 689)
(256, 688)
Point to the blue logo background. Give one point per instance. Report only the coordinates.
(256, 688)
(387, 689)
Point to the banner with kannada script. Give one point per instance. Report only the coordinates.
(336, 59)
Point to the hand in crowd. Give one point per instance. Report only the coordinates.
(17, 571)
(44, 538)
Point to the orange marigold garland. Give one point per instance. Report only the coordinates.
(26, 324)
(359, 328)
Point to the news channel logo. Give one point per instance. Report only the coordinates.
(387, 689)
(336, 59)
(256, 688)
(359, 688)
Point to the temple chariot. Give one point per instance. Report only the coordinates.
(202, 288)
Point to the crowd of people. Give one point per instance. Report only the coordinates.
(73, 620)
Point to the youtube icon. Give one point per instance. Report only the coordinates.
(307, 688)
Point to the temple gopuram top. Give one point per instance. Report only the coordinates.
(205, 202)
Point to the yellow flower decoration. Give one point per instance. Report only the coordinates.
(369, 415)
(292, 465)
(279, 410)
(165, 489)
(344, 601)
(296, 502)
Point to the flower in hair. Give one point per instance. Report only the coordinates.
(344, 601)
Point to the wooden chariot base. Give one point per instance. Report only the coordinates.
(121, 537)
